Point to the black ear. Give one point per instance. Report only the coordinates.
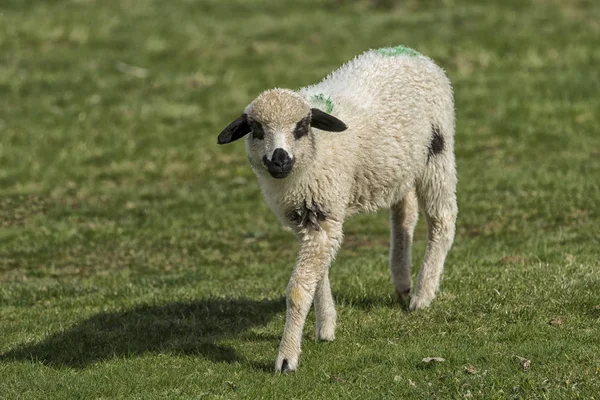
(325, 122)
(235, 130)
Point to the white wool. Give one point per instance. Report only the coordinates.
(396, 153)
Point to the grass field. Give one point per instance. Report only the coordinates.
(138, 260)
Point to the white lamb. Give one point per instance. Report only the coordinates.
(395, 151)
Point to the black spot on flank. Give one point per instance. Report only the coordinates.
(437, 142)
(257, 130)
(301, 128)
(308, 216)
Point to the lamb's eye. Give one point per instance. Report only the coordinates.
(301, 128)
(257, 131)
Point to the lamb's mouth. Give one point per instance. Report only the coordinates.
(280, 175)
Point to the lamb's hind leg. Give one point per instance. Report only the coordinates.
(437, 193)
(403, 219)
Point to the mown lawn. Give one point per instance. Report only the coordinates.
(138, 260)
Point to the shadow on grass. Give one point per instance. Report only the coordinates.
(370, 302)
(181, 328)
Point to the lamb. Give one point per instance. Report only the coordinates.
(376, 133)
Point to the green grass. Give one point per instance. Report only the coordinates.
(138, 260)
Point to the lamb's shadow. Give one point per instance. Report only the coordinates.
(195, 328)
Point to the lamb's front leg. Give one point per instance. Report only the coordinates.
(325, 315)
(318, 247)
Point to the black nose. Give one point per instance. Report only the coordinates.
(280, 164)
(280, 158)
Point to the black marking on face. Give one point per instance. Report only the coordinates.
(301, 128)
(257, 130)
(308, 216)
(437, 142)
(285, 366)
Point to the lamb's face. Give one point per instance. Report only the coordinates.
(281, 139)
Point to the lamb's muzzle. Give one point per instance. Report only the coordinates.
(280, 165)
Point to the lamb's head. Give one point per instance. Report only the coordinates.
(279, 122)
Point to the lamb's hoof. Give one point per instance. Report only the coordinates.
(326, 338)
(326, 334)
(404, 298)
(419, 302)
(285, 365)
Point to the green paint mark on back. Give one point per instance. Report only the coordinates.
(398, 51)
(326, 101)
